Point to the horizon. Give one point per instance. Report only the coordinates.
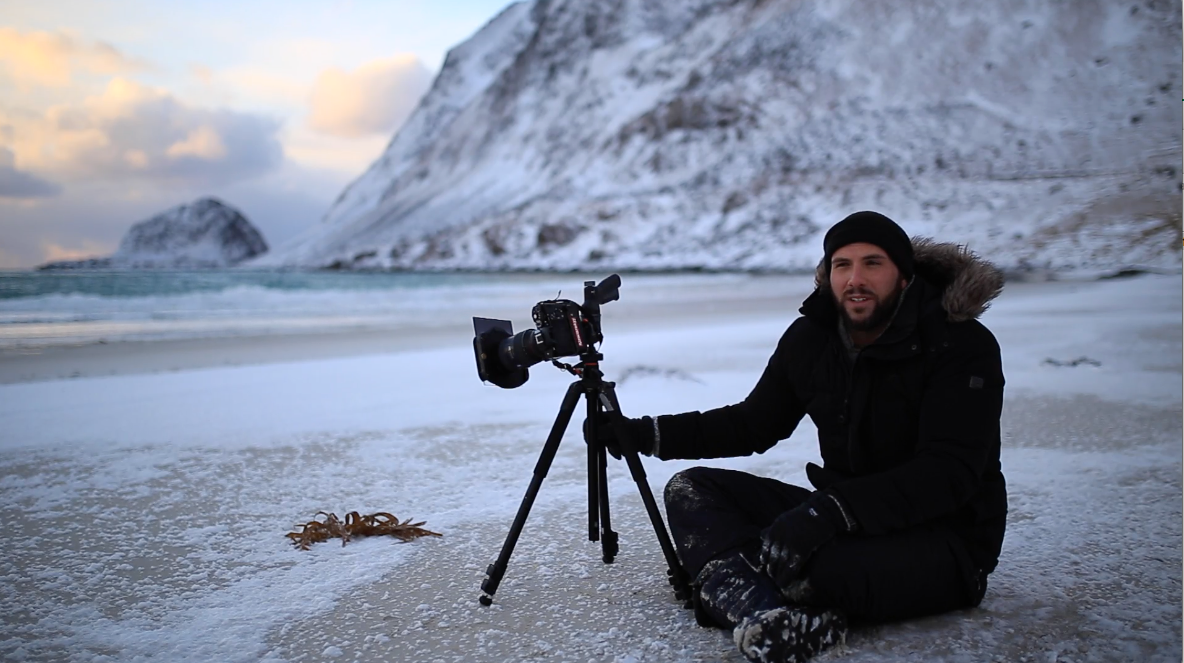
(112, 112)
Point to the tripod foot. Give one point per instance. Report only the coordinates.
(609, 547)
(682, 591)
(485, 600)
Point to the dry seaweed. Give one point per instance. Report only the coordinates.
(375, 524)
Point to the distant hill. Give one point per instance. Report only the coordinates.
(204, 234)
(729, 135)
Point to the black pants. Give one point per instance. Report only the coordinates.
(714, 513)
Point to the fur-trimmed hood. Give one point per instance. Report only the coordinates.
(968, 282)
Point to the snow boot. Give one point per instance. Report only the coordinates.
(730, 589)
(733, 593)
(789, 634)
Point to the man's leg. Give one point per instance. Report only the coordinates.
(901, 575)
(715, 513)
(716, 517)
(882, 578)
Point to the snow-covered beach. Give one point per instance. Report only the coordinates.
(147, 497)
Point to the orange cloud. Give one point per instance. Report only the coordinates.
(50, 59)
(133, 129)
(202, 142)
(89, 249)
(373, 99)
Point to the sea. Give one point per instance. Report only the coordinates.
(54, 308)
(45, 308)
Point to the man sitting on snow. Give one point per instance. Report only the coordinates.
(907, 516)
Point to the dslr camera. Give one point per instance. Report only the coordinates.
(563, 328)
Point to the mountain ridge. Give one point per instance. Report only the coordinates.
(729, 135)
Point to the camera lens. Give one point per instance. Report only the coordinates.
(522, 350)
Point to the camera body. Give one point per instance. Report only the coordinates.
(563, 328)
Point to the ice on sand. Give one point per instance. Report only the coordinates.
(144, 514)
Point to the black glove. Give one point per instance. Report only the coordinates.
(609, 430)
(794, 536)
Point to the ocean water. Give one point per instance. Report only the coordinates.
(156, 283)
(39, 309)
(76, 308)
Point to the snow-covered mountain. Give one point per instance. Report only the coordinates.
(729, 134)
(204, 234)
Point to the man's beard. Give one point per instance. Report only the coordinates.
(881, 313)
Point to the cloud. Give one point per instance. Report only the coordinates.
(52, 252)
(51, 59)
(132, 130)
(17, 184)
(202, 143)
(373, 99)
(348, 156)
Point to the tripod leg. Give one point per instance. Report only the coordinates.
(495, 572)
(593, 480)
(599, 524)
(678, 576)
(608, 538)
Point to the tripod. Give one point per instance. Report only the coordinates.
(601, 396)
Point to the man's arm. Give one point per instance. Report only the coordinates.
(959, 434)
(768, 415)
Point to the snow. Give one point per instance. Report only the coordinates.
(146, 513)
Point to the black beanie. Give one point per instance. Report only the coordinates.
(873, 228)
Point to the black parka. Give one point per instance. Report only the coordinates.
(909, 430)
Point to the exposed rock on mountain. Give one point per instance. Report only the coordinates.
(728, 134)
(204, 234)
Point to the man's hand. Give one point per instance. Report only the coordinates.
(610, 430)
(789, 542)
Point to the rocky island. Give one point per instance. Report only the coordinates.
(205, 234)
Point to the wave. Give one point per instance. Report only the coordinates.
(238, 308)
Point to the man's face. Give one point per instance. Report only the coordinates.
(866, 285)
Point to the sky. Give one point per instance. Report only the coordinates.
(114, 110)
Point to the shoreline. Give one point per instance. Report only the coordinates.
(105, 359)
(45, 362)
